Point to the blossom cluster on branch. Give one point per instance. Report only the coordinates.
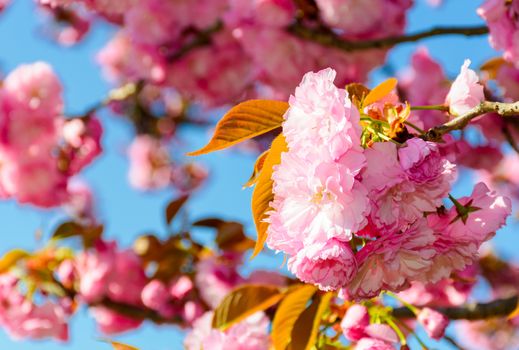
(355, 187)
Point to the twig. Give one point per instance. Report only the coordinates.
(330, 39)
(458, 123)
(480, 311)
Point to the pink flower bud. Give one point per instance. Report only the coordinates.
(354, 322)
(434, 322)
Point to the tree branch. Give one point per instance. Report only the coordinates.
(479, 311)
(203, 38)
(330, 39)
(458, 123)
(135, 312)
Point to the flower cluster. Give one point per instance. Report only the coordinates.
(40, 150)
(370, 219)
(22, 318)
(152, 168)
(501, 18)
(233, 44)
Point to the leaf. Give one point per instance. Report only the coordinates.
(92, 234)
(173, 208)
(89, 234)
(381, 91)
(68, 229)
(11, 258)
(492, 66)
(304, 333)
(357, 93)
(231, 237)
(209, 222)
(243, 302)
(257, 169)
(262, 194)
(121, 346)
(287, 313)
(514, 313)
(244, 121)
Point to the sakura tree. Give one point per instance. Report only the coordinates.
(378, 193)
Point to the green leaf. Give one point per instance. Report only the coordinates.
(304, 333)
(243, 302)
(245, 121)
(262, 194)
(288, 312)
(173, 208)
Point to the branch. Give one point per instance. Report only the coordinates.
(330, 39)
(131, 311)
(135, 312)
(479, 311)
(458, 123)
(202, 38)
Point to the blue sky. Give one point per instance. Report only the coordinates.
(128, 213)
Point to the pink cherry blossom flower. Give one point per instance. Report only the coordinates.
(123, 61)
(501, 18)
(508, 79)
(66, 273)
(447, 292)
(22, 319)
(47, 320)
(322, 113)
(434, 322)
(363, 19)
(191, 312)
(504, 177)
(323, 203)
(38, 182)
(80, 202)
(105, 271)
(466, 92)
(216, 277)
(35, 88)
(155, 295)
(425, 83)
(330, 265)
(323, 135)
(490, 334)
(150, 165)
(250, 334)
(110, 322)
(393, 261)
(355, 321)
(180, 287)
(215, 74)
(373, 344)
(403, 184)
(83, 142)
(490, 213)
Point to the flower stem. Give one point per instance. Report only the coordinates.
(430, 108)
